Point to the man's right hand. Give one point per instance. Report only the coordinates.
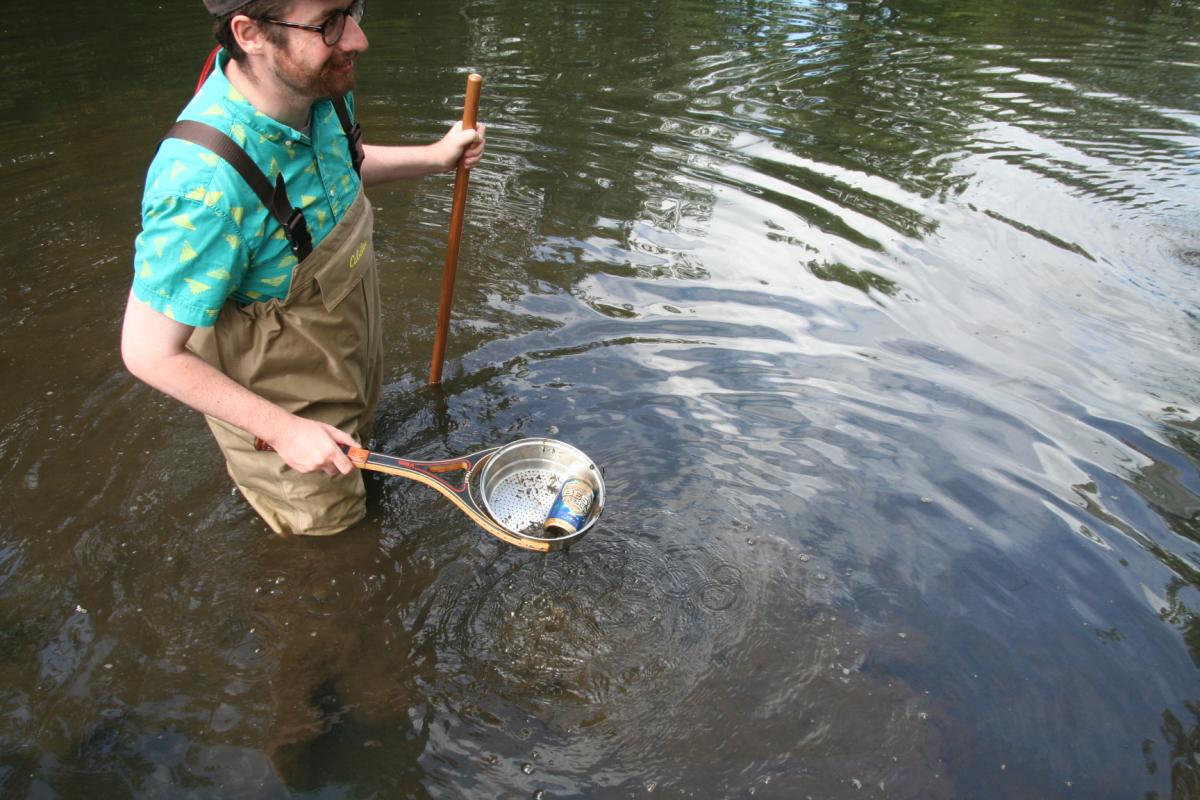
(306, 445)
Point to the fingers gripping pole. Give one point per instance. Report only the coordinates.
(470, 108)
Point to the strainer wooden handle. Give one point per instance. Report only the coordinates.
(430, 473)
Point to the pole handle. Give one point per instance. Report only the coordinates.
(471, 101)
(457, 212)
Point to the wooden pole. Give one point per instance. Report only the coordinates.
(470, 109)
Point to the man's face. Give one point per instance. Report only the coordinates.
(305, 64)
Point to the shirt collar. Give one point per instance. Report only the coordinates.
(219, 91)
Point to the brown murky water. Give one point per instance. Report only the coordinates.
(882, 318)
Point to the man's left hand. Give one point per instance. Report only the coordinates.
(462, 145)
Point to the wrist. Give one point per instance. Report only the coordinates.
(275, 423)
(441, 157)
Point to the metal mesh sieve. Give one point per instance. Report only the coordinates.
(520, 481)
(521, 499)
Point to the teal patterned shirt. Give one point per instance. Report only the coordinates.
(205, 235)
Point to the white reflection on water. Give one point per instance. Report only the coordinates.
(882, 322)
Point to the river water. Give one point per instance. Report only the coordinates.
(881, 318)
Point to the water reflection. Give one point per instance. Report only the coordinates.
(345, 677)
(880, 316)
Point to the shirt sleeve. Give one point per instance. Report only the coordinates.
(189, 257)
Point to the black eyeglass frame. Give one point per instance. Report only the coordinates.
(355, 11)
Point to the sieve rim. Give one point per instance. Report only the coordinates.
(570, 461)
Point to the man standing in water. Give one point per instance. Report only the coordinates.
(255, 299)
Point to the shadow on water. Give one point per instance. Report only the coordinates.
(881, 318)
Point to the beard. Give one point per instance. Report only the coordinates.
(329, 80)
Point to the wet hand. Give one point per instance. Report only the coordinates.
(310, 446)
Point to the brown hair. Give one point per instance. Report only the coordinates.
(256, 9)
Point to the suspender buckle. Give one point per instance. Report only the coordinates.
(356, 147)
(296, 230)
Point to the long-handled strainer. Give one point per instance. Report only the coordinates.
(506, 490)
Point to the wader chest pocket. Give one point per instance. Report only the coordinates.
(336, 280)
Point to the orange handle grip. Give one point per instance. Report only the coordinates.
(471, 101)
(457, 212)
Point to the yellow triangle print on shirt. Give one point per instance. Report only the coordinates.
(233, 241)
(219, 274)
(253, 295)
(274, 170)
(239, 133)
(159, 243)
(235, 95)
(321, 215)
(209, 158)
(211, 198)
(169, 313)
(307, 199)
(215, 110)
(274, 281)
(286, 262)
(236, 212)
(311, 169)
(184, 221)
(147, 272)
(196, 286)
(186, 253)
(177, 169)
(196, 194)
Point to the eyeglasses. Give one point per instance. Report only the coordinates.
(331, 30)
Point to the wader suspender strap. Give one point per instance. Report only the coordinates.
(275, 199)
(353, 133)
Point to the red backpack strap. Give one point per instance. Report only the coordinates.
(209, 63)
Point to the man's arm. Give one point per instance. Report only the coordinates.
(154, 349)
(382, 164)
